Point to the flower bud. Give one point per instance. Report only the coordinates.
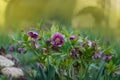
(44, 50)
(33, 34)
(11, 48)
(48, 41)
(107, 57)
(97, 55)
(20, 50)
(73, 37)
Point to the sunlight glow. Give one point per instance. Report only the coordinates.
(3, 5)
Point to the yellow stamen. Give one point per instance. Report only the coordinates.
(57, 40)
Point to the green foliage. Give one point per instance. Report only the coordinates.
(75, 59)
(47, 73)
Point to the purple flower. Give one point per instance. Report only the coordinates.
(97, 55)
(20, 50)
(73, 37)
(33, 34)
(107, 57)
(57, 39)
(11, 48)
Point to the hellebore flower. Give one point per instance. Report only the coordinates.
(97, 55)
(33, 34)
(94, 44)
(11, 48)
(48, 41)
(75, 53)
(57, 39)
(80, 40)
(35, 44)
(73, 37)
(107, 57)
(89, 43)
(44, 50)
(20, 50)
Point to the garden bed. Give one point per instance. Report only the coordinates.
(58, 54)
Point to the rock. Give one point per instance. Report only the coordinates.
(12, 71)
(9, 56)
(4, 62)
(117, 73)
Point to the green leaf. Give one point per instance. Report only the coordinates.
(87, 76)
(51, 72)
(56, 76)
(27, 75)
(56, 54)
(100, 71)
(41, 74)
(54, 29)
(67, 77)
(25, 37)
(108, 50)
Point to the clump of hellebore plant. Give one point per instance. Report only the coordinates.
(63, 50)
